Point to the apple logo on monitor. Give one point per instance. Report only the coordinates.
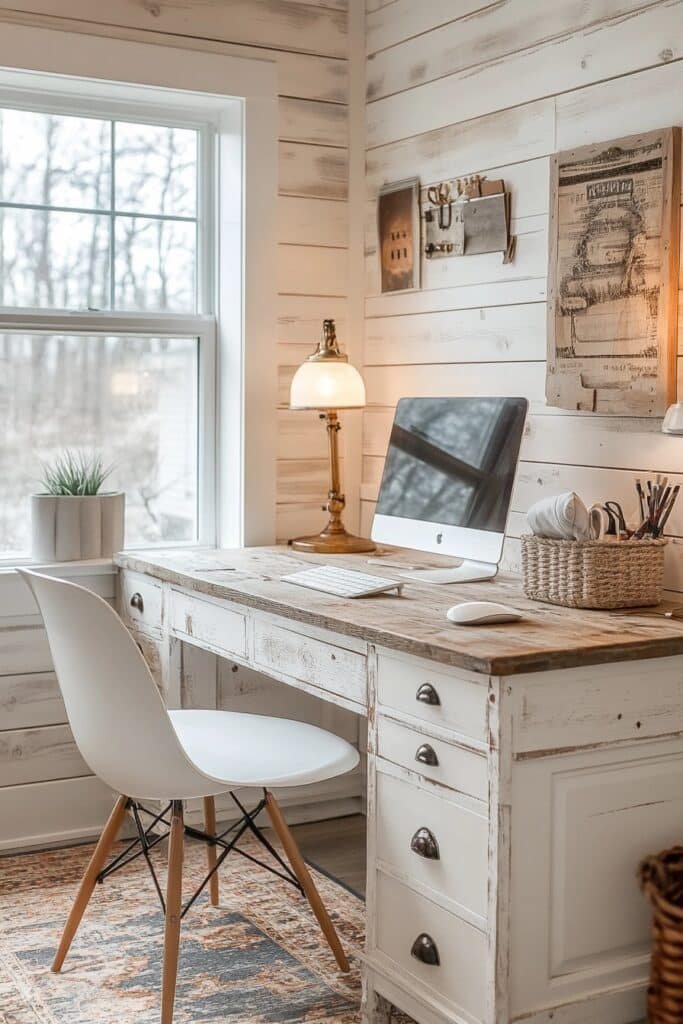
(439, 538)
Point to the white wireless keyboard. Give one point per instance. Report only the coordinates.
(341, 582)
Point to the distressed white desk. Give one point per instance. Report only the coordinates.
(516, 773)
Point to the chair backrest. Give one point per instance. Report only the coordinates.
(115, 710)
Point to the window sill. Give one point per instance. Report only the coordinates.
(65, 570)
(17, 607)
(87, 567)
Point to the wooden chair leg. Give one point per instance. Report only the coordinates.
(210, 827)
(174, 895)
(307, 884)
(89, 880)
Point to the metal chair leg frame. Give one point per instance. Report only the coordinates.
(172, 906)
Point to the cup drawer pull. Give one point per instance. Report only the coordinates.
(424, 949)
(137, 602)
(424, 844)
(426, 754)
(427, 695)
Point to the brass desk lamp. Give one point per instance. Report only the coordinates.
(328, 382)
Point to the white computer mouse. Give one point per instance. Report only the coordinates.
(480, 613)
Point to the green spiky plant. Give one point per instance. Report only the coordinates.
(75, 473)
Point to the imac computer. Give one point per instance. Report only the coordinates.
(448, 479)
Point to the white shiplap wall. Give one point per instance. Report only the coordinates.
(309, 42)
(456, 88)
(47, 793)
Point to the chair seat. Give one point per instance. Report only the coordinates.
(256, 750)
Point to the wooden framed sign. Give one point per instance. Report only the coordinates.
(613, 275)
(398, 231)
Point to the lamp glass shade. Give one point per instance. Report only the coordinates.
(327, 384)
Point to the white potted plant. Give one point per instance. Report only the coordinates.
(70, 519)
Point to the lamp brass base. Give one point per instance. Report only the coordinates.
(333, 540)
(333, 543)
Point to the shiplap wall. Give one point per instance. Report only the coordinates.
(47, 793)
(309, 42)
(457, 87)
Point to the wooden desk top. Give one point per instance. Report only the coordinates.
(547, 638)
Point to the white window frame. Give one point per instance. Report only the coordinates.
(233, 102)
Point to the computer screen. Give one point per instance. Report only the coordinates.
(451, 463)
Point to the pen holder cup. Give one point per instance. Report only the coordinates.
(593, 573)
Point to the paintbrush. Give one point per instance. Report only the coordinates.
(641, 498)
(665, 498)
(667, 513)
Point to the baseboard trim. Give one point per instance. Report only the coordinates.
(73, 811)
(38, 815)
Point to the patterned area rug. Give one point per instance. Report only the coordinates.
(259, 958)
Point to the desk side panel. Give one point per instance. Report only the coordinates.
(581, 824)
(568, 709)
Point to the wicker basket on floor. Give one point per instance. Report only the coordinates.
(593, 574)
(661, 878)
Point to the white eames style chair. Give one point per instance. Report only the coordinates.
(144, 752)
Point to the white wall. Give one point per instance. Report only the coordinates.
(47, 793)
(463, 87)
(309, 43)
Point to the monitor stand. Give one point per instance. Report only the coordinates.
(468, 571)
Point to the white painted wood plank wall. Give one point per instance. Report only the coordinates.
(309, 42)
(47, 793)
(496, 88)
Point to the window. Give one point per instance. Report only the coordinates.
(106, 342)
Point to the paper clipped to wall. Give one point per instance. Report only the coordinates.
(613, 275)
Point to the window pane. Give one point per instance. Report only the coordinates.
(54, 259)
(53, 160)
(155, 265)
(133, 399)
(156, 169)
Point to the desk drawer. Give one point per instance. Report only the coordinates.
(140, 601)
(435, 695)
(445, 763)
(323, 664)
(437, 842)
(460, 975)
(221, 628)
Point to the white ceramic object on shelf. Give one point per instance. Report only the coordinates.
(71, 528)
(673, 421)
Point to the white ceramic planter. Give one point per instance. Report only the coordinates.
(66, 528)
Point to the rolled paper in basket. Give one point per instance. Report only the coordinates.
(563, 517)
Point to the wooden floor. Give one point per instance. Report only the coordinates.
(337, 846)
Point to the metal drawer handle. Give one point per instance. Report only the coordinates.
(424, 844)
(427, 695)
(426, 754)
(137, 602)
(424, 949)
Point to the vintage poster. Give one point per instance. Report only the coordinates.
(398, 230)
(613, 276)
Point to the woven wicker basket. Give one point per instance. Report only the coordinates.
(661, 878)
(593, 574)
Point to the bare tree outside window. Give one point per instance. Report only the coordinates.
(99, 215)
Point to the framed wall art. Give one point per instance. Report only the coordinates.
(398, 234)
(613, 275)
